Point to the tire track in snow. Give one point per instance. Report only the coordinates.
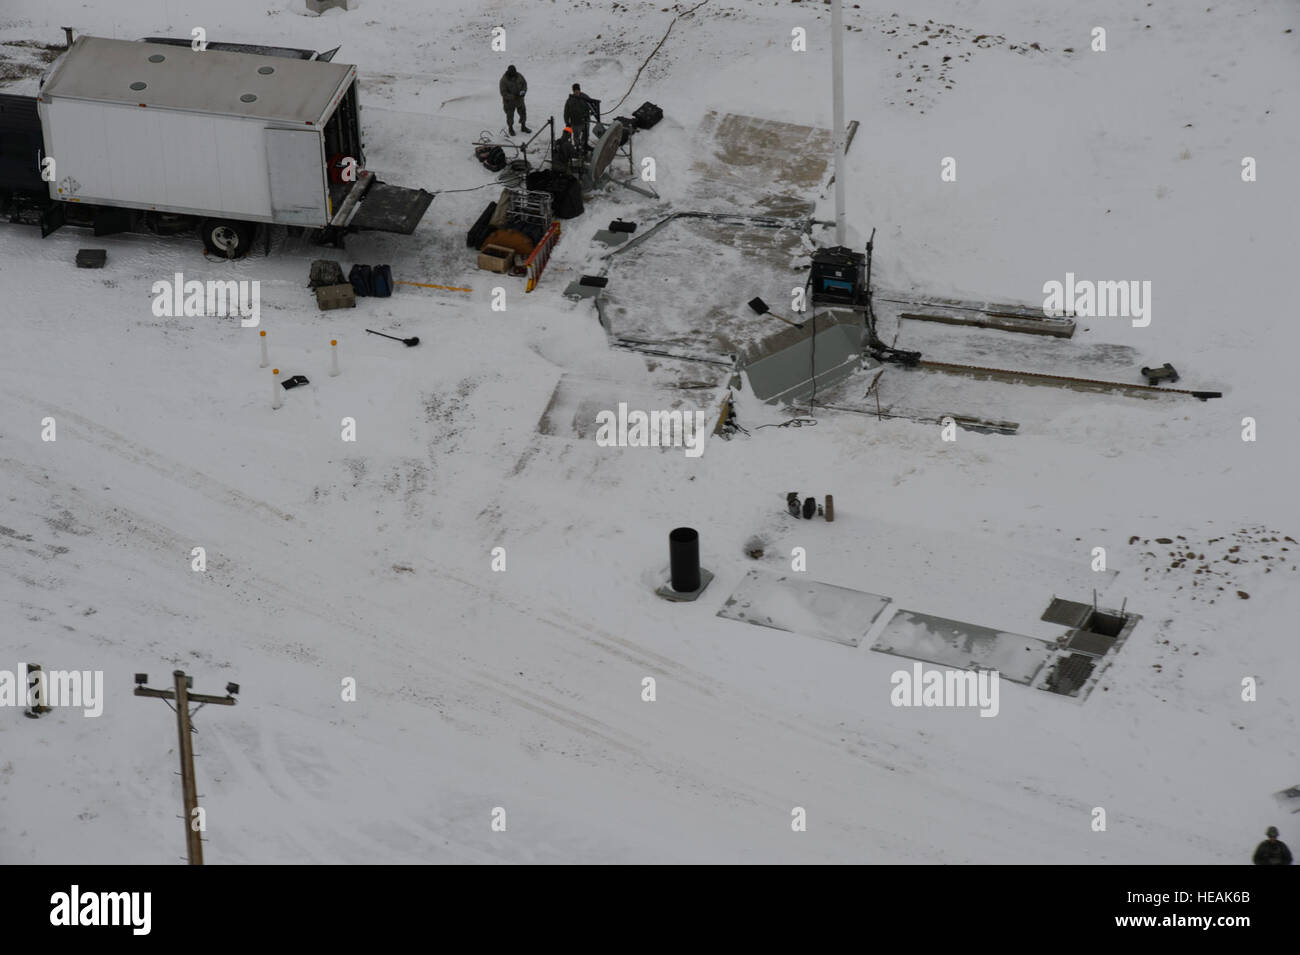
(745, 717)
(183, 474)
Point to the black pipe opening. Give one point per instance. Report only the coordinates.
(684, 559)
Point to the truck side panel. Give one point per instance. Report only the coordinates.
(158, 159)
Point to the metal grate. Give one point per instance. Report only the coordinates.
(1071, 673)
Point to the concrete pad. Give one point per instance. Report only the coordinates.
(576, 402)
(954, 643)
(793, 603)
(689, 284)
(685, 596)
(763, 153)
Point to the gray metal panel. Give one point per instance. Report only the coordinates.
(1068, 613)
(786, 374)
(954, 643)
(386, 208)
(1085, 641)
(296, 176)
(212, 81)
(797, 605)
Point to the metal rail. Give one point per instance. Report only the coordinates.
(763, 222)
(1094, 384)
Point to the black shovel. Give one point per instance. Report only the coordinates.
(760, 306)
(408, 342)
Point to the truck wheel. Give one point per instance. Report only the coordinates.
(226, 238)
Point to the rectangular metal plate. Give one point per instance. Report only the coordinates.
(1068, 613)
(797, 605)
(953, 643)
(1085, 641)
(787, 374)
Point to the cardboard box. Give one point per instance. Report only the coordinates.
(336, 296)
(496, 258)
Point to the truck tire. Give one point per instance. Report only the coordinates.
(226, 238)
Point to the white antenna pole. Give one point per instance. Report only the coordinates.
(837, 116)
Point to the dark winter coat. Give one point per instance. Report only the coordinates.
(562, 158)
(1272, 852)
(577, 110)
(513, 88)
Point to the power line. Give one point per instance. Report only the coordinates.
(651, 56)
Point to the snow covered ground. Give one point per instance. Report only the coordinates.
(522, 689)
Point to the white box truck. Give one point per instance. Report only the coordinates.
(157, 135)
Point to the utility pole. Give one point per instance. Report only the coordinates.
(182, 695)
(837, 115)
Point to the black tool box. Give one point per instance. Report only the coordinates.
(839, 276)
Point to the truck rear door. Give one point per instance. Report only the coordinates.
(297, 177)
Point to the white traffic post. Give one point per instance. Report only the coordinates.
(264, 363)
(837, 114)
(275, 389)
(334, 357)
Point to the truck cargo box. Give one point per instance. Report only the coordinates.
(215, 134)
(211, 133)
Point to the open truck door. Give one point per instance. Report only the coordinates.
(297, 196)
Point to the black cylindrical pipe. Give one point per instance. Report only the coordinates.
(684, 559)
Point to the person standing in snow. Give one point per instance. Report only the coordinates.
(577, 113)
(513, 88)
(1272, 851)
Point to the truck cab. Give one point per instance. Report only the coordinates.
(21, 146)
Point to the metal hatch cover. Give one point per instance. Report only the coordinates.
(388, 208)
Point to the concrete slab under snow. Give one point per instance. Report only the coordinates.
(576, 402)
